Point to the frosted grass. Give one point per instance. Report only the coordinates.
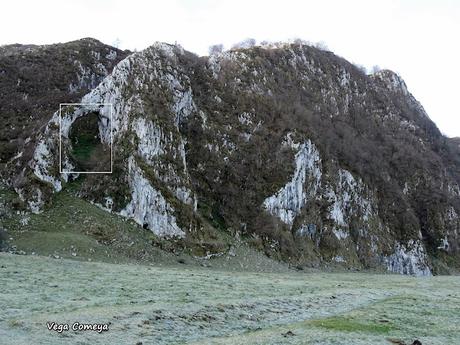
(188, 304)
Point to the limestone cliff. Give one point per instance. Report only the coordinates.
(287, 146)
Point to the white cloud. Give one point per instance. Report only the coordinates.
(417, 38)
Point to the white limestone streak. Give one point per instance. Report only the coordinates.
(392, 81)
(42, 161)
(409, 259)
(289, 200)
(152, 143)
(151, 139)
(46, 156)
(148, 206)
(183, 104)
(115, 106)
(348, 196)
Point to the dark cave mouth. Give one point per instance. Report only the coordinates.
(87, 152)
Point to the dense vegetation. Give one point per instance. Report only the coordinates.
(382, 135)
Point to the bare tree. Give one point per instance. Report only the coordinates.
(216, 49)
(247, 43)
(362, 68)
(116, 43)
(301, 42)
(376, 69)
(321, 45)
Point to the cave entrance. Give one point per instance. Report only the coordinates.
(87, 152)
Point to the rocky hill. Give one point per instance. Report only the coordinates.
(288, 147)
(34, 79)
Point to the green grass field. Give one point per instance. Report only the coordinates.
(177, 304)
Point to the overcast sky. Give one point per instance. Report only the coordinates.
(419, 39)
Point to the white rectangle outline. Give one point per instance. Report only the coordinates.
(111, 140)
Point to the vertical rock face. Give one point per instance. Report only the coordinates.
(287, 144)
(410, 259)
(148, 207)
(287, 203)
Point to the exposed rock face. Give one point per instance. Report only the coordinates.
(289, 144)
(289, 201)
(148, 207)
(409, 260)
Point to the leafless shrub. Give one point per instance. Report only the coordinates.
(362, 68)
(376, 69)
(216, 49)
(321, 45)
(247, 43)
